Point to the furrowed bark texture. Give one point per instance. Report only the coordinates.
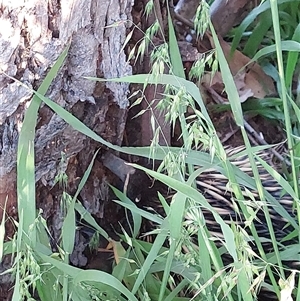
(32, 37)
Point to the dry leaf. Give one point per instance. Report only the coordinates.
(257, 83)
(217, 84)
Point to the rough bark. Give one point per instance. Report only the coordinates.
(35, 34)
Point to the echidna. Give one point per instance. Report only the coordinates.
(213, 185)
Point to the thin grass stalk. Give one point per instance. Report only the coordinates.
(178, 69)
(215, 259)
(196, 195)
(167, 269)
(158, 243)
(263, 199)
(183, 126)
(288, 126)
(237, 112)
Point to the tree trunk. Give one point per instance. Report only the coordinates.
(33, 36)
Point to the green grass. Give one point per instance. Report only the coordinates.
(183, 260)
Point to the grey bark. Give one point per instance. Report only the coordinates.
(32, 37)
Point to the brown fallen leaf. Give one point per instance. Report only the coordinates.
(251, 81)
(216, 83)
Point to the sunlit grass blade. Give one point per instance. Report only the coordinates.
(167, 270)
(48, 280)
(104, 278)
(250, 18)
(205, 255)
(285, 46)
(197, 197)
(176, 62)
(79, 276)
(161, 152)
(69, 224)
(164, 79)
(132, 207)
(156, 247)
(258, 34)
(235, 104)
(175, 218)
(137, 220)
(123, 270)
(2, 231)
(25, 158)
(292, 60)
(68, 229)
(16, 295)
